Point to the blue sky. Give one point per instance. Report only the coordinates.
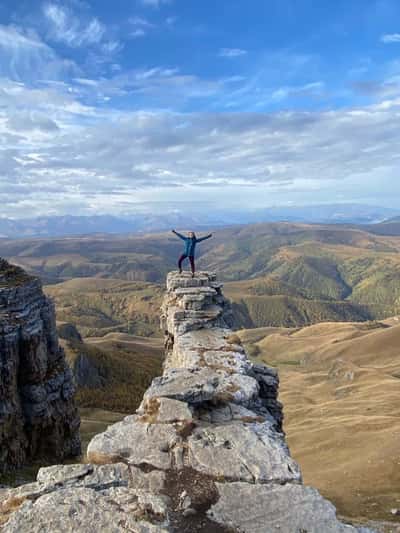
(105, 106)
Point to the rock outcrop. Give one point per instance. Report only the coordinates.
(38, 418)
(205, 451)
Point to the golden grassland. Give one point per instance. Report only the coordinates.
(340, 387)
(100, 306)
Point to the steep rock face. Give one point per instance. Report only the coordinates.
(38, 418)
(205, 451)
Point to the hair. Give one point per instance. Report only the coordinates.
(193, 234)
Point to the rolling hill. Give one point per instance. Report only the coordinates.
(340, 385)
(269, 302)
(277, 274)
(101, 306)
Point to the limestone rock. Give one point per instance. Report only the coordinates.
(87, 510)
(199, 385)
(136, 443)
(242, 452)
(205, 451)
(164, 411)
(38, 417)
(289, 508)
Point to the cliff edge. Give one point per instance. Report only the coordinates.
(38, 418)
(205, 451)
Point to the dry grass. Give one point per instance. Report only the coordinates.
(8, 507)
(341, 403)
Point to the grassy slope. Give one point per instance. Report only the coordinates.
(133, 258)
(340, 388)
(125, 365)
(255, 309)
(100, 306)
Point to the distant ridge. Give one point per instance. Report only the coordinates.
(190, 216)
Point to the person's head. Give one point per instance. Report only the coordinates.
(191, 235)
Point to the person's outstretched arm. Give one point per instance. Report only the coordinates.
(179, 235)
(204, 238)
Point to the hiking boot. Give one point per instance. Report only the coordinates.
(180, 271)
(192, 274)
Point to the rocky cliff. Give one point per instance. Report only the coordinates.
(205, 451)
(38, 418)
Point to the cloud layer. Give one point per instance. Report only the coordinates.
(97, 113)
(81, 156)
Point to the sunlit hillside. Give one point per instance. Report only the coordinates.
(340, 386)
(101, 306)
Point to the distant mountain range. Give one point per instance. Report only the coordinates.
(58, 226)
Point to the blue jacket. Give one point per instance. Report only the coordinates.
(190, 243)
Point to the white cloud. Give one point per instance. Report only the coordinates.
(232, 52)
(111, 47)
(391, 38)
(314, 89)
(155, 3)
(65, 26)
(14, 37)
(25, 121)
(154, 87)
(24, 56)
(140, 26)
(138, 32)
(141, 21)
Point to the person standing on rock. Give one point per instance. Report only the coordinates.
(190, 245)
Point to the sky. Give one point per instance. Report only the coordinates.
(112, 106)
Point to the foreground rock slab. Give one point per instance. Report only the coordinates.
(242, 452)
(205, 451)
(289, 508)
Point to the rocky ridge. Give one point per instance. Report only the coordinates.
(38, 417)
(204, 452)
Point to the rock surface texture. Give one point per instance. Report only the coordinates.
(205, 451)
(38, 418)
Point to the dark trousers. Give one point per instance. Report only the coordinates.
(191, 259)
